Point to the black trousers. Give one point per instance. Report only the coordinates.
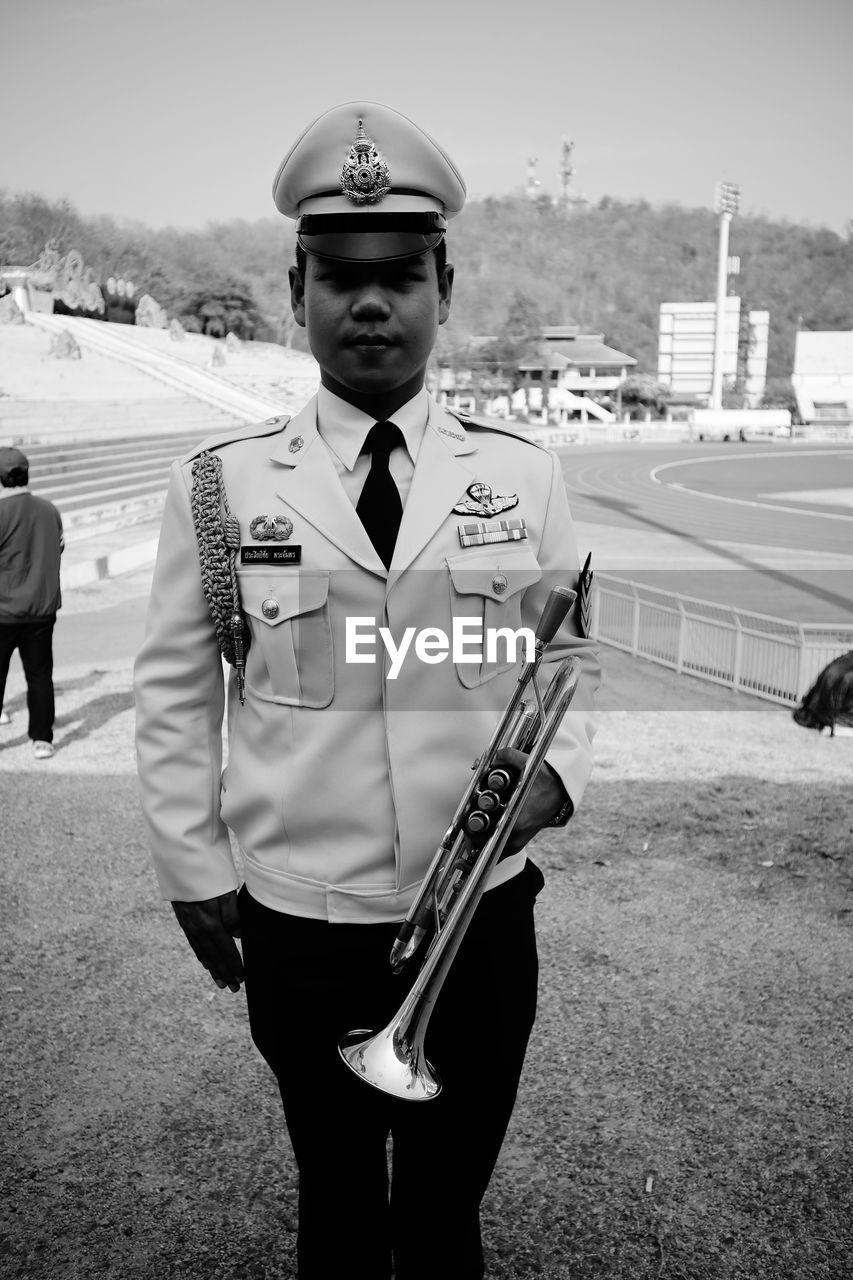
(34, 642)
(307, 984)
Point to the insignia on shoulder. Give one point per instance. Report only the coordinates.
(448, 431)
(480, 535)
(482, 503)
(271, 528)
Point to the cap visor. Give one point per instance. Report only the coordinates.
(368, 246)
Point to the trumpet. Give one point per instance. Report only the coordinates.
(393, 1059)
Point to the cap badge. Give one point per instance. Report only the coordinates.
(365, 177)
(271, 528)
(481, 501)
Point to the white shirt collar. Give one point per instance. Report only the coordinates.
(344, 428)
(13, 493)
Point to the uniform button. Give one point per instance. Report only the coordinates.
(269, 608)
(499, 584)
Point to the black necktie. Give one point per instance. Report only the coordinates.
(379, 507)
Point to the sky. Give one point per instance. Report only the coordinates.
(178, 112)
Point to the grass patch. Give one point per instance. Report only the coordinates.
(685, 1111)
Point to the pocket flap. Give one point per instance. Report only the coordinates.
(278, 597)
(494, 576)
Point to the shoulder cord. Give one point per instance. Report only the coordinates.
(218, 543)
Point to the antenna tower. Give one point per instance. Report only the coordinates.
(567, 172)
(533, 183)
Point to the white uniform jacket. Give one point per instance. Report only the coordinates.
(340, 781)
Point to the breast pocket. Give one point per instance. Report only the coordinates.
(489, 587)
(291, 657)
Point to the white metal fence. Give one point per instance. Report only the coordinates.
(767, 657)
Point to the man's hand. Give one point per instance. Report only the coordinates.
(544, 800)
(211, 927)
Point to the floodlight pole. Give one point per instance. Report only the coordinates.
(728, 199)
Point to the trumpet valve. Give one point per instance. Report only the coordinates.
(477, 823)
(488, 801)
(498, 779)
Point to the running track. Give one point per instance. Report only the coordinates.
(704, 495)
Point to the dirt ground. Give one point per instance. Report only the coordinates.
(685, 1110)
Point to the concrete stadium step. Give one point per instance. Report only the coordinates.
(119, 514)
(69, 422)
(94, 479)
(102, 455)
(105, 484)
(128, 443)
(105, 460)
(111, 476)
(91, 497)
(141, 411)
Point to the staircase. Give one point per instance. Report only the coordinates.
(105, 464)
(60, 423)
(99, 486)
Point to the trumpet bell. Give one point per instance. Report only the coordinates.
(389, 1063)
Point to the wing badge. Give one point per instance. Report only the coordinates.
(481, 501)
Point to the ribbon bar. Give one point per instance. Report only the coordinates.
(480, 534)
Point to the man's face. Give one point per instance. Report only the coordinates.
(371, 325)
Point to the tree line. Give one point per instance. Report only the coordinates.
(520, 264)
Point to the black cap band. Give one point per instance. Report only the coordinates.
(423, 223)
(370, 236)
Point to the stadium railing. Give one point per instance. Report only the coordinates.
(751, 653)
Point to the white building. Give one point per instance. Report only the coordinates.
(823, 377)
(580, 363)
(686, 339)
(686, 346)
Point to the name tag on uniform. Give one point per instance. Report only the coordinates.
(271, 555)
(479, 534)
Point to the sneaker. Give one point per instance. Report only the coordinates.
(43, 750)
(5, 718)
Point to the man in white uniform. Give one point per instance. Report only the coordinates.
(291, 545)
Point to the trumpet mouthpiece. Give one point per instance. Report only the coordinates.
(557, 605)
(406, 944)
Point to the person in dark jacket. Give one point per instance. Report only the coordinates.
(31, 544)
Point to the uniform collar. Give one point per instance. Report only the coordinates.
(310, 484)
(14, 493)
(344, 428)
(297, 444)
